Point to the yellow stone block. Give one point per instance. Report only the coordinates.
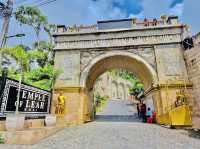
(181, 116)
(164, 119)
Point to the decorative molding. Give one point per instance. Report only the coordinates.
(120, 42)
(158, 87)
(70, 89)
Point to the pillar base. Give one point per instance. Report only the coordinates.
(50, 120)
(15, 122)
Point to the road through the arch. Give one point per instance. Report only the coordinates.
(116, 127)
(118, 111)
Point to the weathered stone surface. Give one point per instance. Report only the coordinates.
(192, 58)
(170, 64)
(154, 54)
(68, 66)
(132, 41)
(112, 87)
(50, 120)
(15, 122)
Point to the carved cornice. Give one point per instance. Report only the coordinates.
(140, 29)
(74, 89)
(119, 42)
(188, 85)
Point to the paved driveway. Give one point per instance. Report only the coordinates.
(116, 127)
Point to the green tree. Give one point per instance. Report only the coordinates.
(22, 57)
(50, 29)
(42, 77)
(47, 49)
(33, 17)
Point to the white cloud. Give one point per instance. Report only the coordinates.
(177, 9)
(88, 12)
(104, 9)
(155, 8)
(140, 15)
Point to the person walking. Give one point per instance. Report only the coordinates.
(149, 115)
(138, 110)
(143, 112)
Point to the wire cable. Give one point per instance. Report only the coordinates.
(47, 2)
(36, 3)
(20, 2)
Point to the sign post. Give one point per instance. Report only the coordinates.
(32, 100)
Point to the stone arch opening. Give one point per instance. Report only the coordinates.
(115, 60)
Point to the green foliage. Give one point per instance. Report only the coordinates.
(46, 48)
(43, 77)
(27, 14)
(136, 89)
(22, 57)
(31, 16)
(100, 101)
(50, 29)
(2, 140)
(18, 54)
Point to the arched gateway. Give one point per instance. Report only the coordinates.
(152, 53)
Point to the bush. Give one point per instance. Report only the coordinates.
(2, 141)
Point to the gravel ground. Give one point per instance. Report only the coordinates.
(116, 127)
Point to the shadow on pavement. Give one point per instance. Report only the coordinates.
(194, 134)
(130, 104)
(116, 118)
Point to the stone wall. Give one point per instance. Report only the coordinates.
(86, 56)
(192, 58)
(113, 87)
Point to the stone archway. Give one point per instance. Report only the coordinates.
(155, 55)
(115, 59)
(112, 60)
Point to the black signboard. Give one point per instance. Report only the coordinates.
(32, 100)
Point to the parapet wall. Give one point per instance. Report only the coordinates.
(192, 58)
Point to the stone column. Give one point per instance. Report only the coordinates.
(68, 65)
(171, 71)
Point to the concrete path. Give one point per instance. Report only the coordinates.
(118, 111)
(116, 127)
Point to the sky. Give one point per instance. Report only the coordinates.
(87, 12)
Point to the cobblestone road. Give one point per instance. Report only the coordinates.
(116, 127)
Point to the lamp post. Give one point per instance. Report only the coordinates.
(21, 73)
(16, 35)
(15, 122)
(19, 35)
(19, 89)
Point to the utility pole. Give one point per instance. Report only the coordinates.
(6, 12)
